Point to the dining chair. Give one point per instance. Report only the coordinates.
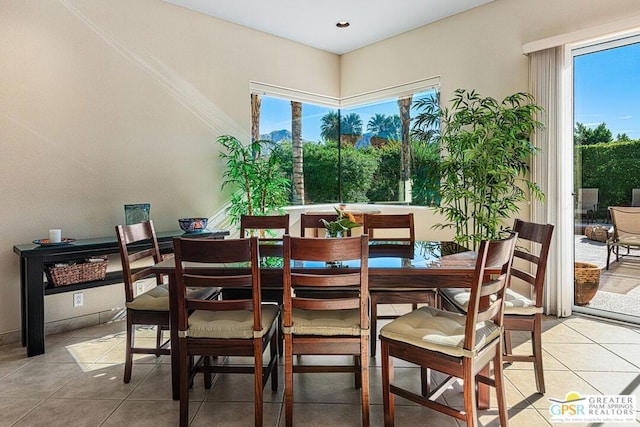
(146, 294)
(311, 222)
(523, 311)
(334, 324)
(269, 229)
(262, 226)
(396, 228)
(227, 327)
(461, 346)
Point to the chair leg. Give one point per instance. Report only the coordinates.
(500, 394)
(128, 358)
(425, 381)
(158, 339)
(387, 379)
(288, 380)
(469, 392)
(184, 383)
(536, 339)
(374, 322)
(357, 364)
(364, 381)
(258, 382)
(276, 341)
(208, 377)
(508, 349)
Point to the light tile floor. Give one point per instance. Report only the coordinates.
(78, 382)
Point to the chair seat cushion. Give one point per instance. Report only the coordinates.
(325, 322)
(230, 324)
(439, 330)
(157, 299)
(628, 240)
(514, 303)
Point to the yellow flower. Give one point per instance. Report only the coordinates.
(345, 222)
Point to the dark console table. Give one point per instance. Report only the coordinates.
(33, 286)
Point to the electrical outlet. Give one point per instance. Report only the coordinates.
(78, 299)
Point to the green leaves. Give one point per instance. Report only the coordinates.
(487, 152)
(344, 223)
(259, 184)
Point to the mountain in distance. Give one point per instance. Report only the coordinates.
(276, 135)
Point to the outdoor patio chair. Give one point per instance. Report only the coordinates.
(626, 230)
(587, 204)
(635, 197)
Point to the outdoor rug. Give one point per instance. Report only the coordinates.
(622, 277)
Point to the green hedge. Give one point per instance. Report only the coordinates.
(369, 174)
(613, 168)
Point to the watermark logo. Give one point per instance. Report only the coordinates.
(607, 408)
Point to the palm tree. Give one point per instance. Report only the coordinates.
(351, 128)
(393, 127)
(298, 166)
(405, 155)
(255, 117)
(329, 126)
(376, 124)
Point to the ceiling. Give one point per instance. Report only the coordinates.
(313, 23)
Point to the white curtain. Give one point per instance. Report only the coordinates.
(552, 169)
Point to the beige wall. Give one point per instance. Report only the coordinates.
(107, 103)
(104, 103)
(480, 49)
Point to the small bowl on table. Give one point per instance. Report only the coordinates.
(193, 225)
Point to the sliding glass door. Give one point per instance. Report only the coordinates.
(607, 173)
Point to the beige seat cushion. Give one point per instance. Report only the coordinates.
(325, 322)
(230, 324)
(157, 299)
(439, 330)
(514, 302)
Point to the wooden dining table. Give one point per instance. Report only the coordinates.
(423, 265)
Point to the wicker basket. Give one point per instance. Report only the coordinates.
(79, 272)
(587, 281)
(599, 233)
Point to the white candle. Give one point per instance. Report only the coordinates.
(55, 235)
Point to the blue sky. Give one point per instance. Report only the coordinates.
(275, 114)
(607, 89)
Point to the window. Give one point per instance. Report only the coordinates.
(353, 150)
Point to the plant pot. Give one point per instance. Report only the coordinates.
(586, 282)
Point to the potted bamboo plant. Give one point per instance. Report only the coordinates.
(259, 186)
(486, 152)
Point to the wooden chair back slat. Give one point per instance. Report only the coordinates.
(260, 226)
(400, 223)
(326, 304)
(334, 280)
